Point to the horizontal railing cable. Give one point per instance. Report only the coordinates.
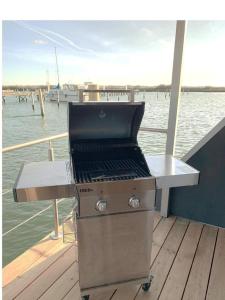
(31, 218)
(6, 192)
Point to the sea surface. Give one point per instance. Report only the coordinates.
(199, 112)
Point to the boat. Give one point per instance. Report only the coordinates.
(66, 94)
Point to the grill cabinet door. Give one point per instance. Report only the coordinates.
(114, 248)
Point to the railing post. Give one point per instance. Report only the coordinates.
(55, 234)
(174, 104)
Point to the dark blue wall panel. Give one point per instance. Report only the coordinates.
(206, 201)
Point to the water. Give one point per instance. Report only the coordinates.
(199, 112)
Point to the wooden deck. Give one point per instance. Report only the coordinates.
(188, 262)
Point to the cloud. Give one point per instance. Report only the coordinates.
(147, 32)
(108, 43)
(26, 26)
(71, 43)
(40, 42)
(56, 38)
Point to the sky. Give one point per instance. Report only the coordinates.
(111, 52)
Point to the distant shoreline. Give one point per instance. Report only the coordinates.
(159, 88)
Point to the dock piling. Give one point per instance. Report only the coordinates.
(131, 96)
(32, 96)
(81, 96)
(41, 103)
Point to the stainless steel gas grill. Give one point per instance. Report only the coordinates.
(110, 177)
(115, 192)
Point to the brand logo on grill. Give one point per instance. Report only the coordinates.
(86, 190)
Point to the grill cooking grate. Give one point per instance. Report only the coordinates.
(108, 170)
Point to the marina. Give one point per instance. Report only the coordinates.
(135, 183)
(193, 107)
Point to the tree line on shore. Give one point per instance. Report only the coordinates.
(140, 88)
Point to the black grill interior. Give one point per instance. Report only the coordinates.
(108, 170)
(103, 141)
(109, 164)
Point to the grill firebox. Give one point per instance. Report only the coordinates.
(108, 170)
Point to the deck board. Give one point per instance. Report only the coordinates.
(73, 293)
(187, 262)
(63, 284)
(198, 279)
(47, 278)
(216, 288)
(178, 275)
(28, 259)
(159, 235)
(164, 260)
(17, 285)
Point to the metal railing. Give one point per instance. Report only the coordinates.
(65, 134)
(34, 142)
(30, 218)
(56, 234)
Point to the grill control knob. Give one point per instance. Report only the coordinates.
(101, 205)
(134, 202)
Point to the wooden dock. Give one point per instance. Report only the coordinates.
(188, 263)
(6, 93)
(21, 95)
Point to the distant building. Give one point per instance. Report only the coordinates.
(71, 87)
(87, 83)
(115, 87)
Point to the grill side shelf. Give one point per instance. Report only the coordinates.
(44, 181)
(171, 172)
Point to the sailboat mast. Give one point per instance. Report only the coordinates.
(47, 82)
(57, 67)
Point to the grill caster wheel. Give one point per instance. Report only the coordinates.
(86, 297)
(146, 286)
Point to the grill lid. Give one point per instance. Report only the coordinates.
(104, 122)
